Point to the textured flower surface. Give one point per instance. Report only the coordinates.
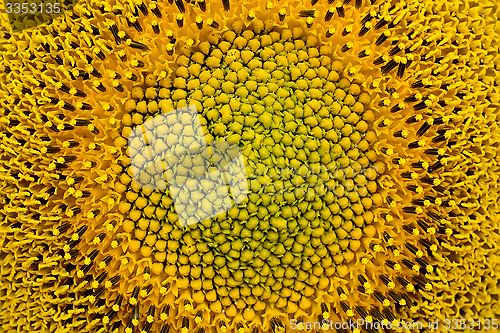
(369, 131)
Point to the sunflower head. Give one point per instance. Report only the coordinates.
(364, 133)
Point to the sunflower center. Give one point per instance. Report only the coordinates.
(303, 130)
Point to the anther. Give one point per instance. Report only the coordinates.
(165, 328)
(151, 314)
(401, 134)
(282, 14)
(98, 292)
(434, 167)
(389, 315)
(347, 46)
(329, 14)
(416, 144)
(368, 17)
(365, 53)
(180, 5)
(386, 281)
(412, 210)
(251, 14)
(340, 9)
(361, 312)
(137, 63)
(389, 66)
(213, 23)
(341, 293)
(202, 4)
(434, 216)
(84, 106)
(364, 29)
(425, 265)
(401, 69)
(165, 312)
(420, 202)
(147, 327)
(392, 265)
(407, 298)
(170, 49)
(381, 298)
(105, 262)
(381, 23)
(98, 85)
(388, 239)
(414, 250)
(155, 10)
(156, 28)
(420, 106)
(421, 283)
(382, 38)
(101, 277)
(398, 107)
(380, 60)
(307, 13)
(415, 188)
(134, 297)
(63, 228)
(136, 45)
(398, 299)
(134, 319)
(347, 310)
(145, 291)
(309, 22)
(347, 30)
(131, 76)
(114, 280)
(324, 310)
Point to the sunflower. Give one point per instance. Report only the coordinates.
(369, 133)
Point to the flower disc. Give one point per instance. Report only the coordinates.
(368, 131)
